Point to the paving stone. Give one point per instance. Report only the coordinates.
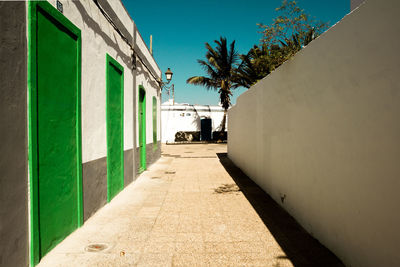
(192, 259)
(159, 247)
(155, 259)
(189, 237)
(191, 214)
(218, 247)
(189, 247)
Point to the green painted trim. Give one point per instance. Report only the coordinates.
(32, 134)
(110, 60)
(155, 144)
(115, 63)
(79, 131)
(142, 161)
(33, 8)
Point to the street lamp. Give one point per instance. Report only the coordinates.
(164, 85)
(168, 74)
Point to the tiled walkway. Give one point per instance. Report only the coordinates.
(188, 210)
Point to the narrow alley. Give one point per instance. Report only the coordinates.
(191, 208)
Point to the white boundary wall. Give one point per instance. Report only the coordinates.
(324, 131)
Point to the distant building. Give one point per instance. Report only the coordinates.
(187, 118)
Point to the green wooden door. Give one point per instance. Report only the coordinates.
(142, 128)
(115, 118)
(154, 123)
(55, 127)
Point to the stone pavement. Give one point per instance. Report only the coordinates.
(191, 208)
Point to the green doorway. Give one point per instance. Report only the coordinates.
(142, 129)
(54, 128)
(154, 123)
(115, 129)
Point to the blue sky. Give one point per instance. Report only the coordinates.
(180, 29)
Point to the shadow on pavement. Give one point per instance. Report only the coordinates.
(300, 247)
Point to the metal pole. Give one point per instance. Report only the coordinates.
(151, 44)
(173, 95)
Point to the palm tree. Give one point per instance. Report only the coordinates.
(255, 65)
(220, 66)
(262, 60)
(258, 63)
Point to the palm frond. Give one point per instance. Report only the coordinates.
(208, 68)
(203, 81)
(220, 66)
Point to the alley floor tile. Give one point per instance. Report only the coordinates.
(193, 207)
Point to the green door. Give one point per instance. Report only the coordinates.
(142, 128)
(154, 123)
(115, 118)
(55, 127)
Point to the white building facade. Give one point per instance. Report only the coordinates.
(187, 118)
(81, 102)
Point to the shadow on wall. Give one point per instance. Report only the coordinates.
(94, 25)
(219, 128)
(301, 248)
(140, 70)
(196, 119)
(127, 59)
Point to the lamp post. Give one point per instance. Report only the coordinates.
(168, 74)
(164, 85)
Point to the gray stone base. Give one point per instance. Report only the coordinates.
(152, 155)
(94, 178)
(128, 167)
(14, 229)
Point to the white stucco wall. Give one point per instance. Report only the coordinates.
(122, 13)
(151, 90)
(98, 39)
(323, 130)
(144, 50)
(151, 87)
(180, 117)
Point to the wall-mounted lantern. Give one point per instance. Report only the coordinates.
(168, 75)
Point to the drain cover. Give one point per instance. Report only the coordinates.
(96, 247)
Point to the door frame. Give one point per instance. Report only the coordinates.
(110, 60)
(142, 129)
(33, 8)
(155, 123)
